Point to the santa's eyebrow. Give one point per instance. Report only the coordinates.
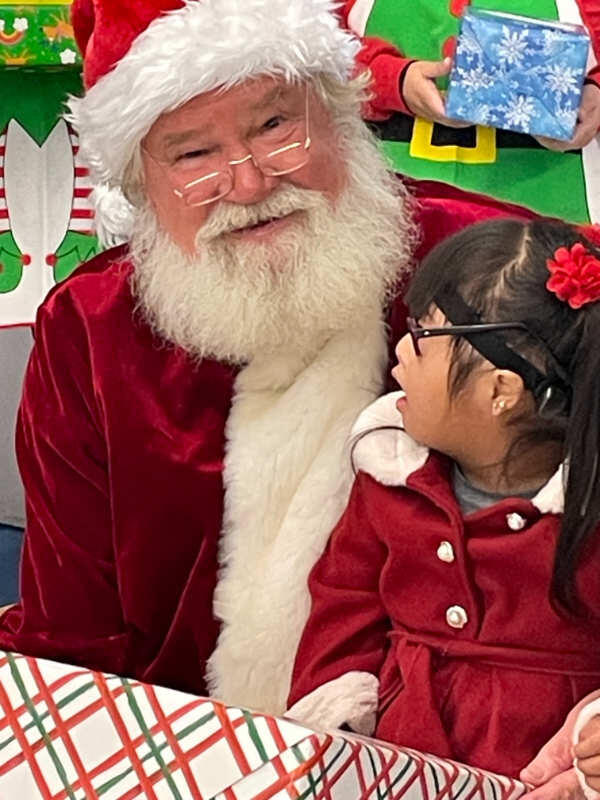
(181, 137)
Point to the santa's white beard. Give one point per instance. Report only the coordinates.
(329, 268)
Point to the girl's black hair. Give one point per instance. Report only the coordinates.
(499, 268)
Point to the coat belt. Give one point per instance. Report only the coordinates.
(575, 664)
(415, 718)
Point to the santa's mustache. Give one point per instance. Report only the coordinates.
(228, 217)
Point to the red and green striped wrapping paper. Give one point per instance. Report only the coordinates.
(70, 734)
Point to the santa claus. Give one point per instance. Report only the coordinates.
(185, 412)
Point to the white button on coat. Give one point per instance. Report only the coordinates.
(456, 617)
(445, 552)
(515, 521)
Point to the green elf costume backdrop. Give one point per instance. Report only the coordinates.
(510, 167)
(45, 209)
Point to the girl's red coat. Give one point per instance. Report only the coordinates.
(489, 694)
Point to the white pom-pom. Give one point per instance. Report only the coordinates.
(114, 215)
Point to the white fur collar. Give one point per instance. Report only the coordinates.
(390, 456)
(287, 480)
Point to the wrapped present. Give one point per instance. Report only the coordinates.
(68, 733)
(37, 34)
(518, 73)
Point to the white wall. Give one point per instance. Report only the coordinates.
(15, 345)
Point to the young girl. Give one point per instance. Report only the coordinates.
(459, 595)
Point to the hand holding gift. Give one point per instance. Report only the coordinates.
(588, 122)
(524, 75)
(421, 94)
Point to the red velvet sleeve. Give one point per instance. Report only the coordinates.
(387, 66)
(70, 607)
(348, 624)
(590, 14)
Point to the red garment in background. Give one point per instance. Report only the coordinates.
(120, 443)
(387, 64)
(489, 694)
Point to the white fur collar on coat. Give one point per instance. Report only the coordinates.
(390, 455)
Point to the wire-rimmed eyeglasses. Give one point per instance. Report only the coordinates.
(192, 183)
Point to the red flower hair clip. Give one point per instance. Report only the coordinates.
(575, 275)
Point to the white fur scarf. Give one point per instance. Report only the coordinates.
(287, 479)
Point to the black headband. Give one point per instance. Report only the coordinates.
(494, 348)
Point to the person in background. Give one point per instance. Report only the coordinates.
(408, 46)
(456, 609)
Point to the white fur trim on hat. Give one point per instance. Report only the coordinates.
(204, 45)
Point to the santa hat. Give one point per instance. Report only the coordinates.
(146, 57)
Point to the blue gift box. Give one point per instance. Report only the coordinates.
(518, 73)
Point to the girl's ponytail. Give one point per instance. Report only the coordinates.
(582, 447)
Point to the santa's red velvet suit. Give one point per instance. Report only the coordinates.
(145, 471)
(122, 444)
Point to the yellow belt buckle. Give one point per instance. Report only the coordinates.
(421, 145)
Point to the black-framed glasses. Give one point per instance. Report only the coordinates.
(417, 331)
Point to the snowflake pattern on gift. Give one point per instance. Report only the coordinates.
(513, 48)
(486, 114)
(552, 41)
(561, 80)
(475, 79)
(470, 44)
(568, 117)
(517, 73)
(518, 112)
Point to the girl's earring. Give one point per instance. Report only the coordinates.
(499, 405)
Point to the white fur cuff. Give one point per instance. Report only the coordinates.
(350, 699)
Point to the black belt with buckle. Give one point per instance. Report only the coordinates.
(399, 128)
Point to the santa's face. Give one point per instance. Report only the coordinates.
(278, 264)
(224, 126)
